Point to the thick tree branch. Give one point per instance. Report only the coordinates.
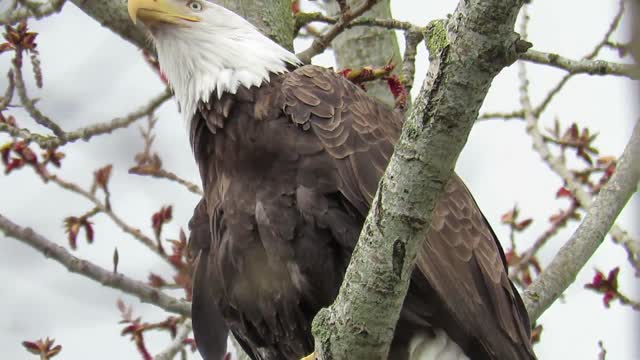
(107, 278)
(476, 44)
(113, 15)
(584, 66)
(572, 257)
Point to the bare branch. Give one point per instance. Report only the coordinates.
(584, 66)
(29, 104)
(557, 165)
(8, 94)
(572, 257)
(321, 43)
(630, 245)
(519, 114)
(412, 39)
(136, 233)
(105, 277)
(303, 19)
(164, 174)
(613, 26)
(177, 343)
(85, 133)
(550, 232)
(601, 213)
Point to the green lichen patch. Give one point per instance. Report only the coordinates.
(436, 35)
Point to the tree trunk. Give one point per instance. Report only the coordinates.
(273, 17)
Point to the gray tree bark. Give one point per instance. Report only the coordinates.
(466, 55)
(273, 17)
(361, 46)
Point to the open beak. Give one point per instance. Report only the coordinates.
(158, 11)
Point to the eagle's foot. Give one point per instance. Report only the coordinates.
(311, 356)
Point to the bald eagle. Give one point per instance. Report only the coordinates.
(290, 157)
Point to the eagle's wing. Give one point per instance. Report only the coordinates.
(460, 263)
(209, 327)
(463, 262)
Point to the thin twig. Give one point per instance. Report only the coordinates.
(105, 277)
(85, 133)
(572, 257)
(8, 94)
(28, 104)
(590, 56)
(635, 305)
(303, 19)
(136, 233)
(630, 245)
(558, 224)
(519, 114)
(177, 343)
(321, 43)
(412, 39)
(601, 213)
(584, 66)
(164, 174)
(557, 165)
(613, 26)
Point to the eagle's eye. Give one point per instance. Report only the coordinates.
(195, 5)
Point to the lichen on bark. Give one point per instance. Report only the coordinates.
(436, 35)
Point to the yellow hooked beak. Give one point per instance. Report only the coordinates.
(158, 11)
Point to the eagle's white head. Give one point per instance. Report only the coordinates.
(203, 47)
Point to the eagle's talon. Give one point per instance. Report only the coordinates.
(311, 356)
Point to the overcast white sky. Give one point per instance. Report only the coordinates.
(92, 75)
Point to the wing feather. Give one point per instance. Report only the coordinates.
(460, 265)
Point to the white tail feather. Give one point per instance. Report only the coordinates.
(439, 347)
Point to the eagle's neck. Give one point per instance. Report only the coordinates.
(217, 56)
